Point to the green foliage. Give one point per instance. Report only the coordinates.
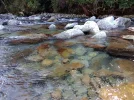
(54, 4)
(66, 6)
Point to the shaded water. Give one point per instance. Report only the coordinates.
(71, 71)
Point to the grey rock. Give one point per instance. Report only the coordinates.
(93, 18)
(70, 25)
(123, 22)
(107, 23)
(52, 27)
(13, 22)
(69, 34)
(52, 19)
(100, 34)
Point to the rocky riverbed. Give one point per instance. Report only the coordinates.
(66, 57)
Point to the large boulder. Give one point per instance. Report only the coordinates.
(89, 26)
(69, 34)
(123, 22)
(107, 23)
(120, 47)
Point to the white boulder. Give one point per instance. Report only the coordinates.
(69, 34)
(100, 34)
(123, 22)
(107, 23)
(1, 27)
(78, 27)
(89, 26)
(70, 25)
(52, 27)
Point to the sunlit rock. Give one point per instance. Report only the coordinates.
(123, 22)
(52, 27)
(131, 29)
(107, 23)
(70, 25)
(125, 65)
(57, 94)
(69, 34)
(121, 92)
(128, 37)
(47, 62)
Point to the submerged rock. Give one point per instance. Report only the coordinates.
(56, 94)
(125, 65)
(35, 58)
(65, 52)
(86, 80)
(27, 39)
(69, 34)
(121, 92)
(47, 62)
(120, 47)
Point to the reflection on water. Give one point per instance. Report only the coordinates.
(61, 70)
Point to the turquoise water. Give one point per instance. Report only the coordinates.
(63, 70)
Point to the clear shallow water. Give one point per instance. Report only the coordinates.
(70, 71)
